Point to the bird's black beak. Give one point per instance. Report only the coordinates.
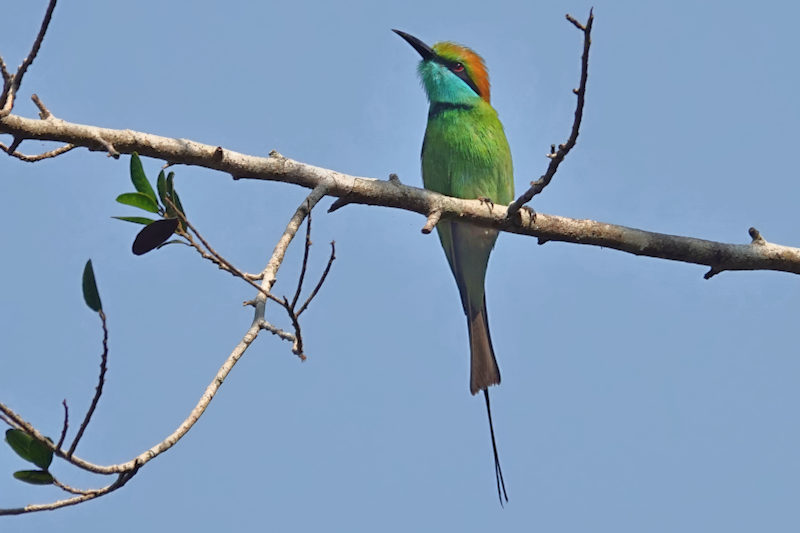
(424, 50)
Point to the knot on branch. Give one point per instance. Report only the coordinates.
(756, 236)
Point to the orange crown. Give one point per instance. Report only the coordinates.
(473, 64)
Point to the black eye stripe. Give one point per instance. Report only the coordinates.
(452, 65)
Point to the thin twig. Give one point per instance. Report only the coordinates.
(297, 345)
(563, 149)
(65, 426)
(33, 158)
(285, 335)
(306, 251)
(44, 113)
(214, 256)
(128, 469)
(8, 421)
(71, 490)
(98, 389)
(270, 272)
(4, 72)
(122, 479)
(12, 148)
(7, 98)
(321, 279)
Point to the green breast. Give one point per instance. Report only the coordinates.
(465, 153)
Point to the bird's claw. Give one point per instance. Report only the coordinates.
(486, 200)
(530, 212)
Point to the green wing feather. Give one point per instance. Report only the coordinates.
(465, 154)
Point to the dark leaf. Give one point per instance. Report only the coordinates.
(139, 178)
(34, 477)
(161, 184)
(138, 199)
(153, 235)
(90, 293)
(136, 220)
(29, 448)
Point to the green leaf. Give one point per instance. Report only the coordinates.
(90, 293)
(161, 184)
(177, 200)
(139, 178)
(41, 455)
(138, 199)
(153, 235)
(19, 442)
(34, 477)
(172, 194)
(170, 183)
(29, 448)
(136, 220)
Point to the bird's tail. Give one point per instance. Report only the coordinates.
(483, 366)
(498, 472)
(483, 373)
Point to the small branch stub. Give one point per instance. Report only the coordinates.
(756, 236)
(433, 219)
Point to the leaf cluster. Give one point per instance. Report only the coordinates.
(166, 203)
(33, 451)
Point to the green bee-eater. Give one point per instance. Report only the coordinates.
(465, 154)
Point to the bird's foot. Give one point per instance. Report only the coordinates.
(530, 212)
(486, 201)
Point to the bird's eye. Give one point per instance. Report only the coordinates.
(458, 67)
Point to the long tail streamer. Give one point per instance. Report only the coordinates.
(498, 472)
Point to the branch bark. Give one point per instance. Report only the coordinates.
(361, 190)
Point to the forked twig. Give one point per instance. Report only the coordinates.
(12, 83)
(321, 279)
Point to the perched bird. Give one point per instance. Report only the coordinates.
(465, 154)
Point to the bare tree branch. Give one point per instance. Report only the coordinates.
(269, 274)
(122, 479)
(128, 469)
(12, 85)
(557, 156)
(391, 193)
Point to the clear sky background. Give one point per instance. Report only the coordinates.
(636, 396)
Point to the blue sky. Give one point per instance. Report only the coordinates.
(636, 396)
